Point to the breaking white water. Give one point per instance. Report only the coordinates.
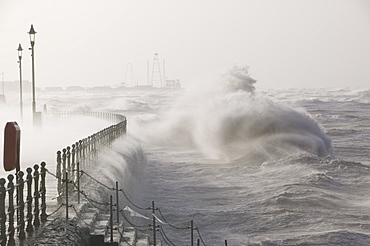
(286, 167)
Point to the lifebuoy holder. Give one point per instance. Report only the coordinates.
(12, 142)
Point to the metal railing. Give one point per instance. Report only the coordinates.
(23, 199)
(113, 117)
(84, 150)
(25, 220)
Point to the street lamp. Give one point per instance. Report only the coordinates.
(20, 79)
(32, 35)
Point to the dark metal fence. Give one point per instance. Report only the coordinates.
(113, 117)
(23, 198)
(19, 215)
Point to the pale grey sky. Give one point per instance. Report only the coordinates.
(286, 43)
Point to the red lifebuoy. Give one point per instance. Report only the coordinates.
(12, 136)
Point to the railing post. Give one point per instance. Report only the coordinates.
(117, 202)
(20, 203)
(36, 176)
(59, 173)
(29, 227)
(90, 143)
(192, 233)
(77, 152)
(11, 228)
(154, 226)
(87, 145)
(66, 180)
(198, 242)
(154, 232)
(93, 143)
(81, 155)
(2, 212)
(43, 192)
(68, 164)
(82, 149)
(125, 127)
(111, 219)
(78, 182)
(64, 159)
(73, 165)
(225, 242)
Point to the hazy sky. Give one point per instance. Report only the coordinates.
(286, 43)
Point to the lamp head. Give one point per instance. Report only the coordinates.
(32, 34)
(20, 51)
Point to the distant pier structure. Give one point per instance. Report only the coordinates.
(156, 80)
(158, 76)
(130, 70)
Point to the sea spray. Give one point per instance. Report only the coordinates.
(121, 162)
(230, 121)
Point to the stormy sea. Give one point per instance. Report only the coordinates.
(246, 165)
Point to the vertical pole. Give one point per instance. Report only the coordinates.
(77, 150)
(2, 212)
(20, 202)
(225, 242)
(43, 192)
(20, 87)
(11, 210)
(64, 158)
(154, 233)
(94, 142)
(81, 154)
(29, 227)
(73, 165)
(66, 180)
(198, 242)
(59, 172)
(33, 81)
(111, 218)
(192, 232)
(117, 202)
(78, 182)
(88, 138)
(83, 145)
(68, 164)
(36, 176)
(154, 230)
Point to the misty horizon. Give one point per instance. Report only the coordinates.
(285, 43)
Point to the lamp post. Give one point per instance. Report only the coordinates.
(20, 79)
(32, 35)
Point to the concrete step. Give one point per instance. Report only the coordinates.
(159, 243)
(143, 241)
(100, 227)
(127, 236)
(87, 218)
(98, 223)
